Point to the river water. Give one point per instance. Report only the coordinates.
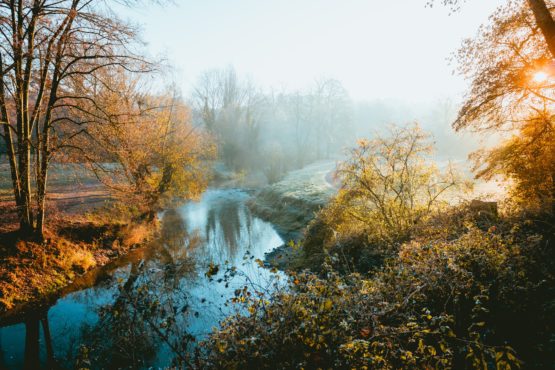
(151, 307)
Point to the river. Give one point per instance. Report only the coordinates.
(152, 306)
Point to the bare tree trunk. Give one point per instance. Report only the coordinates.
(8, 138)
(42, 176)
(10, 152)
(24, 165)
(41, 192)
(21, 104)
(13, 165)
(44, 150)
(545, 22)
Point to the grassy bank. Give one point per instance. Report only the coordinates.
(33, 271)
(291, 203)
(85, 229)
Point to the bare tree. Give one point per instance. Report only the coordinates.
(231, 109)
(47, 47)
(329, 114)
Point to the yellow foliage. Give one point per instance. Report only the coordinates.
(390, 187)
(147, 149)
(527, 161)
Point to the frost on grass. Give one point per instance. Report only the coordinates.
(291, 203)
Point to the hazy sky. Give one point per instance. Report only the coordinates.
(377, 48)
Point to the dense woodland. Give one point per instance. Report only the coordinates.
(390, 274)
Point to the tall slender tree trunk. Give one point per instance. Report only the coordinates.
(23, 128)
(24, 165)
(44, 152)
(41, 183)
(545, 22)
(8, 138)
(16, 184)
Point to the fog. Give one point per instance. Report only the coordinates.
(273, 131)
(305, 79)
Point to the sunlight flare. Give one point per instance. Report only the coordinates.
(540, 77)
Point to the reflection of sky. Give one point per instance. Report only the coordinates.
(65, 318)
(226, 231)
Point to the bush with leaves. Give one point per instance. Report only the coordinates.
(439, 304)
(389, 188)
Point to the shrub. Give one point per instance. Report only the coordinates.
(389, 189)
(439, 304)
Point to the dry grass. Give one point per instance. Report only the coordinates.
(135, 234)
(86, 229)
(31, 271)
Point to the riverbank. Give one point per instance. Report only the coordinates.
(33, 272)
(100, 307)
(291, 204)
(85, 230)
(82, 238)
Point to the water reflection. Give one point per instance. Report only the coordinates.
(150, 309)
(153, 305)
(32, 332)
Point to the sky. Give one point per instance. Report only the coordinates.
(378, 49)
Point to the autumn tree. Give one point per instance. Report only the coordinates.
(46, 45)
(390, 188)
(146, 149)
(510, 66)
(390, 185)
(527, 161)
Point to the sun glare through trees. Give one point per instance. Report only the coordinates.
(292, 184)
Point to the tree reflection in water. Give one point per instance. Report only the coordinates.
(151, 308)
(32, 346)
(32, 339)
(223, 228)
(147, 308)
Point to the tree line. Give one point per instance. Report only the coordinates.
(272, 131)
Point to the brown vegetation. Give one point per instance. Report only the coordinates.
(33, 271)
(49, 49)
